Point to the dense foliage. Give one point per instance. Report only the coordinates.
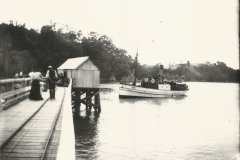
(22, 50)
(218, 72)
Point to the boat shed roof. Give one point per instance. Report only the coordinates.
(73, 63)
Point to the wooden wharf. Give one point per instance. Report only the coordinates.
(33, 129)
(32, 138)
(44, 129)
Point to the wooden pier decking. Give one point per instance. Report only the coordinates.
(44, 129)
(32, 129)
(14, 117)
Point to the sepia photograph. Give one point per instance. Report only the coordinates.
(119, 80)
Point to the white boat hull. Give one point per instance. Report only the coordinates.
(134, 91)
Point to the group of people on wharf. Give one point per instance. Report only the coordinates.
(37, 83)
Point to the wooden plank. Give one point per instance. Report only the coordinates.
(24, 155)
(87, 103)
(99, 103)
(88, 65)
(19, 114)
(22, 144)
(17, 98)
(14, 92)
(14, 80)
(91, 95)
(86, 79)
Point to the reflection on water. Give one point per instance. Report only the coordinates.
(86, 132)
(202, 125)
(156, 101)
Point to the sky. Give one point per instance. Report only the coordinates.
(162, 31)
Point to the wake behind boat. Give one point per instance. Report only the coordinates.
(153, 87)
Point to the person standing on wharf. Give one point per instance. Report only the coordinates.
(35, 93)
(51, 77)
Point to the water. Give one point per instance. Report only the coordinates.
(202, 125)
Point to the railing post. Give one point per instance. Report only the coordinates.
(10, 95)
(0, 102)
(1, 97)
(13, 85)
(22, 84)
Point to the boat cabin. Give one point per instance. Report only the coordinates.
(159, 83)
(177, 86)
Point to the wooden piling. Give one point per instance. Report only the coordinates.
(76, 101)
(90, 102)
(99, 103)
(87, 100)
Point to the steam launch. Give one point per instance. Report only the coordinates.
(153, 86)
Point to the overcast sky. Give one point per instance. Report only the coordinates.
(164, 31)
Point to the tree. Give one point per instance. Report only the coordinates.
(5, 51)
(106, 56)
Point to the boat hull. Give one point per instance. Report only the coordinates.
(135, 91)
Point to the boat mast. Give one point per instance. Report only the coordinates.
(135, 73)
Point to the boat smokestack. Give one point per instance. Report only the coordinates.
(161, 74)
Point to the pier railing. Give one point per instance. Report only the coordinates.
(13, 90)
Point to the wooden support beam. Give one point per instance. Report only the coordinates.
(79, 103)
(87, 100)
(99, 103)
(86, 103)
(96, 100)
(91, 95)
(76, 101)
(82, 92)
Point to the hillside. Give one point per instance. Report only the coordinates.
(207, 73)
(23, 50)
(218, 72)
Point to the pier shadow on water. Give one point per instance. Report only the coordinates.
(86, 133)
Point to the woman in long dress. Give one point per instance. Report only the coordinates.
(35, 93)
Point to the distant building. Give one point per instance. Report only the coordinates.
(175, 66)
(201, 64)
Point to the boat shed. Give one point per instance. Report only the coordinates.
(83, 72)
